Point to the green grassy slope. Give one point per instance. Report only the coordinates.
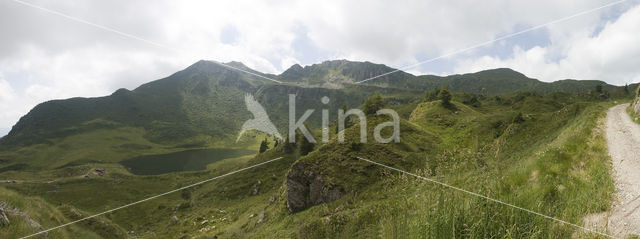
(553, 161)
(543, 152)
(29, 215)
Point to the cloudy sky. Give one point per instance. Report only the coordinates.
(45, 56)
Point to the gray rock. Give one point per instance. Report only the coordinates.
(306, 188)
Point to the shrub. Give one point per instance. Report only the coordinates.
(373, 104)
(519, 118)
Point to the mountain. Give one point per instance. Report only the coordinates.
(206, 99)
(502, 134)
(339, 73)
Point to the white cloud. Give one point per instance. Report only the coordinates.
(44, 56)
(611, 55)
(9, 106)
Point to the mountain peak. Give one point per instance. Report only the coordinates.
(238, 64)
(294, 68)
(207, 65)
(502, 71)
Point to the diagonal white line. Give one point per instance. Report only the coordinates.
(494, 40)
(153, 197)
(487, 198)
(109, 29)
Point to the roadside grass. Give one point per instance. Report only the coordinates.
(634, 117)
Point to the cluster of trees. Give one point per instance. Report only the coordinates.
(302, 144)
(442, 94)
(373, 104)
(264, 145)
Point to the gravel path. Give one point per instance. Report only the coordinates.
(623, 138)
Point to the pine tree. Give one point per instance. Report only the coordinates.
(347, 123)
(288, 147)
(264, 145)
(445, 96)
(626, 89)
(432, 95)
(599, 89)
(276, 141)
(304, 146)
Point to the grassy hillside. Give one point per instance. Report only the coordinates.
(202, 103)
(554, 162)
(29, 215)
(504, 135)
(525, 149)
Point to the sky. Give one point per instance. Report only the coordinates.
(45, 56)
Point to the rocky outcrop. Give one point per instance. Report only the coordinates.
(306, 188)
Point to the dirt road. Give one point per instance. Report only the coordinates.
(623, 138)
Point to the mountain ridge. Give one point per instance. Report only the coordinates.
(501, 145)
(187, 102)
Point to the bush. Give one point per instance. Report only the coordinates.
(472, 101)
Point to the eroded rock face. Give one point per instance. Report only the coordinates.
(636, 105)
(306, 188)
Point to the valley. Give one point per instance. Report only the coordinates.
(540, 146)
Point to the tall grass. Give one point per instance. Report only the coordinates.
(565, 175)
